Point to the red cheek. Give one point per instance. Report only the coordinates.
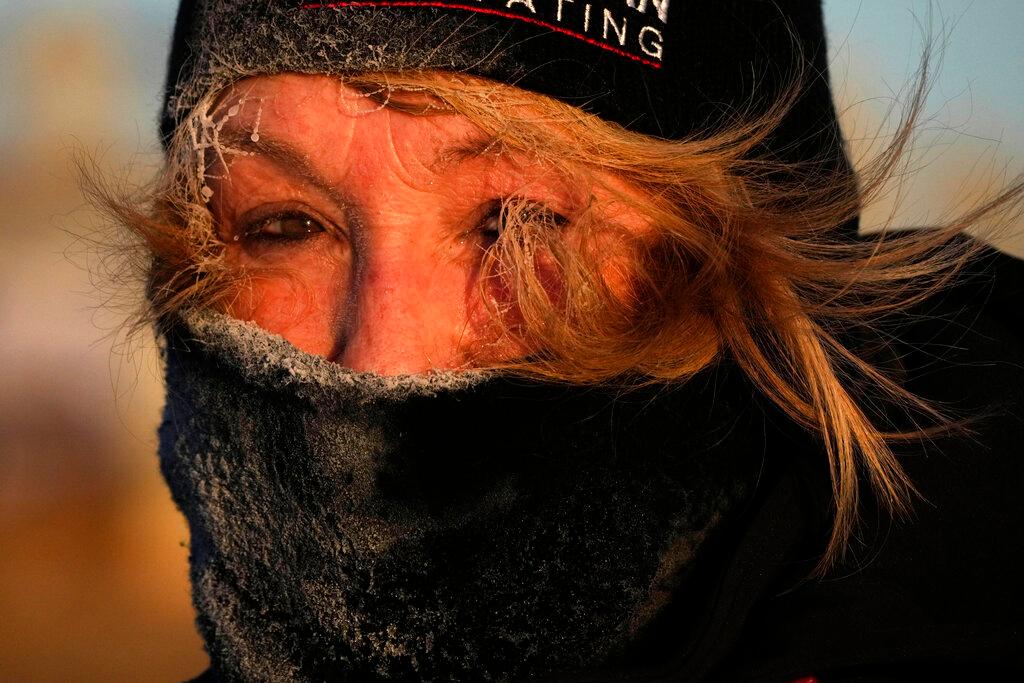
(304, 302)
(503, 318)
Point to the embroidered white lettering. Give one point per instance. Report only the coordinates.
(662, 7)
(653, 44)
(528, 3)
(620, 32)
(558, 13)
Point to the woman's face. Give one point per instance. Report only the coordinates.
(363, 229)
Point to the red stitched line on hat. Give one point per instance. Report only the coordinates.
(482, 10)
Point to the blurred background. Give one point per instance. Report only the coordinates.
(93, 557)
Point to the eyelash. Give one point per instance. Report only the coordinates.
(491, 227)
(530, 212)
(254, 231)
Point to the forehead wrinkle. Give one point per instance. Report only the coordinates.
(404, 164)
(473, 147)
(284, 156)
(448, 156)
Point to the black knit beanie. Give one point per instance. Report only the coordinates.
(668, 68)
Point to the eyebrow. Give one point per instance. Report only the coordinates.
(473, 147)
(285, 157)
(292, 160)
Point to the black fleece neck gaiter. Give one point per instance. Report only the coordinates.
(450, 526)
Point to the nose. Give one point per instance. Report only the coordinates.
(407, 308)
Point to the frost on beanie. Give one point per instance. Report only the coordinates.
(667, 68)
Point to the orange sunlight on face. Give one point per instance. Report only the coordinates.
(362, 229)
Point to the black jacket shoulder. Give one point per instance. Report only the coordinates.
(937, 596)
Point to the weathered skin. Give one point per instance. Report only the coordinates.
(391, 283)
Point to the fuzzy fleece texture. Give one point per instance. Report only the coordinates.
(449, 526)
(720, 58)
(232, 39)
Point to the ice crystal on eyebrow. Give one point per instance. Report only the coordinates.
(255, 137)
(204, 129)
